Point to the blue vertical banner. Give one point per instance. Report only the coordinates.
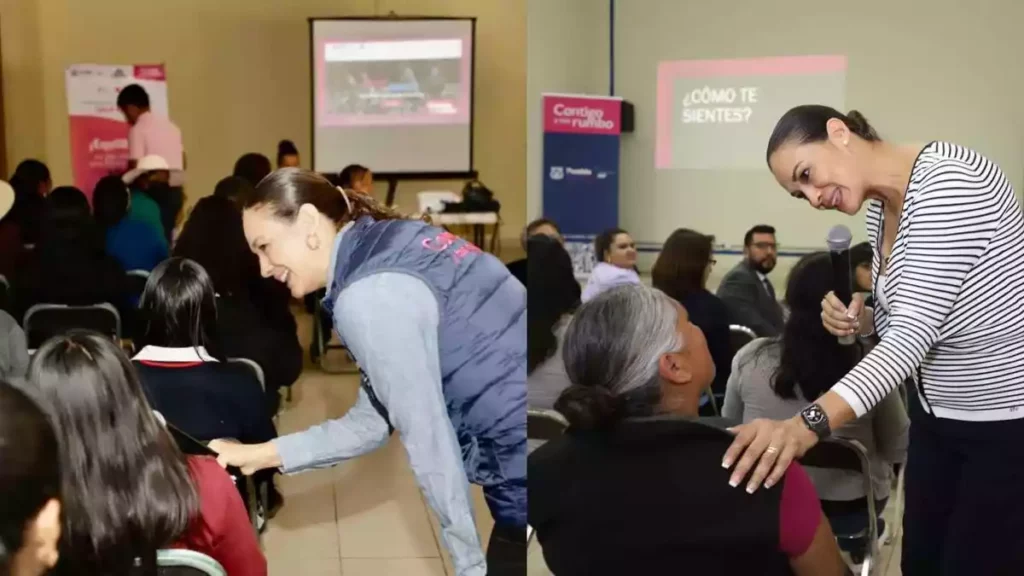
(581, 169)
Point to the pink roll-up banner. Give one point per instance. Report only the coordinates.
(99, 132)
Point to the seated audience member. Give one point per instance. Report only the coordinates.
(682, 272)
(616, 255)
(29, 487)
(551, 298)
(287, 154)
(356, 177)
(635, 485)
(134, 243)
(253, 313)
(776, 378)
(11, 246)
(540, 226)
(70, 265)
(127, 489)
(252, 167)
(142, 206)
(231, 188)
(151, 176)
(32, 184)
(746, 289)
(182, 365)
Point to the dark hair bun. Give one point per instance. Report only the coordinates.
(860, 126)
(286, 147)
(589, 407)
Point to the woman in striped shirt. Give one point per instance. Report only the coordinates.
(948, 272)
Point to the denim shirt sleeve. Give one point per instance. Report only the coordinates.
(389, 321)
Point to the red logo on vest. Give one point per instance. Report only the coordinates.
(445, 240)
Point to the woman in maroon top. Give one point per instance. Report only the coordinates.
(127, 488)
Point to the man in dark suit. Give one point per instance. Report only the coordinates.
(746, 290)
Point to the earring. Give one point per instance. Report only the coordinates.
(846, 142)
(313, 242)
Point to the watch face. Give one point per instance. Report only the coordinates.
(814, 415)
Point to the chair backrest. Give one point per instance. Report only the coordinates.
(43, 321)
(137, 281)
(180, 562)
(740, 336)
(851, 456)
(251, 365)
(432, 201)
(544, 424)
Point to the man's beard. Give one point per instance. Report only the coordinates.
(764, 266)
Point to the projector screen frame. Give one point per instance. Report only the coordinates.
(470, 174)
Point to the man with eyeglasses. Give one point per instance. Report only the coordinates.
(746, 289)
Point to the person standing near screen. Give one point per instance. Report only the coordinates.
(948, 279)
(438, 329)
(155, 135)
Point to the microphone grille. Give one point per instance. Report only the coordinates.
(839, 238)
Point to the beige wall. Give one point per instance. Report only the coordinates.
(566, 52)
(238, 78)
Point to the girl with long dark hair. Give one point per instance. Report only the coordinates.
(777, 377)
(127, 489)
(254, 318)
(29, 486)
(552, 296)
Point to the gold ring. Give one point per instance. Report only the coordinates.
(771, 450)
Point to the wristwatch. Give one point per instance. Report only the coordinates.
(817, 421)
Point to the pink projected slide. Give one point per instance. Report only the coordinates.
(384, 81)
(718, 114)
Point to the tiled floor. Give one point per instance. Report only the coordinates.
(364, 517)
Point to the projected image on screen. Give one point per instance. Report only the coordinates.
(394, 95)
(718, 114)
(411, 81)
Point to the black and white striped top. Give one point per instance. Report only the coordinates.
(955, 291)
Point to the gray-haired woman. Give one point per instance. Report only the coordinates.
(634, 485)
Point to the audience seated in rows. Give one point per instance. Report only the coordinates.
(746, 289)
(32, 184)
(181, 361)
(133, 243)
(127, 489)
(541, 226)
(552, 296)
(30, 514)
(70, 265)
(252, 167)
(615, 252)
(635, 485)
(254, 316)
(777, 377)
(682, 271)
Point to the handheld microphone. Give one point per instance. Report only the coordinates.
(838, 241)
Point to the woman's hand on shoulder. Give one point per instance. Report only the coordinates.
(766, 447)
